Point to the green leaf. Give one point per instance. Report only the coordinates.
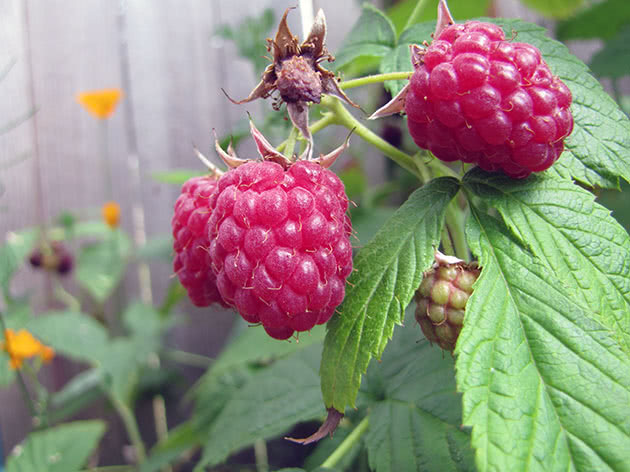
(602, 20)
(253, 346)
(388, 270)
(576, 238)
(327, 447)
(175, 176)
(250, 349)
(372, 35)
(367, 222)
(554, 8)
(598, 150)
(64, 448)
(268, 405)
(101, 266)
(415, 412)
(121, 367)
(82, 390)
(179, 440)
(404, 437)
(159, 248)
(614, 59)
(545, 387)
(17, 246)
(75, 335)
(143, 321)
(399, 60)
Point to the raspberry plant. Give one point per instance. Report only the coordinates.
(539, 378)
(501, 250)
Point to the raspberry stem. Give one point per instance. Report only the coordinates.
(455, 220)
(129, 421)
(344, 118)
(290, 143)
(374, 79)
(346, 444)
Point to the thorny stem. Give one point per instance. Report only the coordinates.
(131, 426)
(344, 118)
(346, 444)
(373, 79)
(415, 14)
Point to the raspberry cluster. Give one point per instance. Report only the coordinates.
(192, 241)
(441, 301)
(279, 244)
(478, 98)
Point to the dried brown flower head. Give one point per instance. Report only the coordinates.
(296, 73)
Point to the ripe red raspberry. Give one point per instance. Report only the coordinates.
(191, 241)
(478, 98)
(442, 297)
(280, 244)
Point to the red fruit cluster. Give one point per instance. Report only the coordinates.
(280, 244)
(191, 241)
(478, 98)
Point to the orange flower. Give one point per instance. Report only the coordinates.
(111, 214)
(22, 345)
(100, 103)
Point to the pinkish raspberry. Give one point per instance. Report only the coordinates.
(191, 241)
(280, 244)
(478, 98)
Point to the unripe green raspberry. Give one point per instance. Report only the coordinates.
(441, 299)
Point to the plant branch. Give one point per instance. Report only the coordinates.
(344, 118)
(346, 444)
(260, 451)
(131, 426)
(290, 143)
(188, 358)
(455, 221)
(374, 79)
